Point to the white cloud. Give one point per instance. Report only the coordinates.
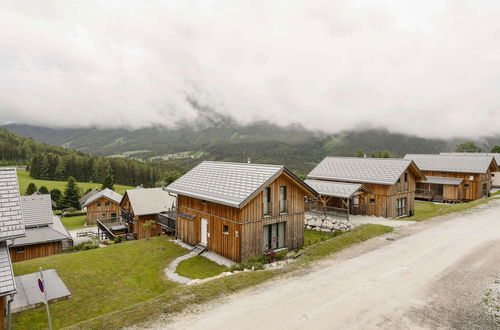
(425, 67)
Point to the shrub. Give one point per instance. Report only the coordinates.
(68, 214)
(57, 212)
(83, 246)
(269, 256)
(281, 255)
(256, 263)
(118, 239)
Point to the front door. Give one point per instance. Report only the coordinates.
(204, 232)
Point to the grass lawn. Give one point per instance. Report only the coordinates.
(74, 222)
(25, 180)
(102, 280)
(180, 297)
(199, 267)
(313, 237)
(427, 210)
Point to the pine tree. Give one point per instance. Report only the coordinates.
(468, 146)
(31, 189)
(71, 194)
(108, 183)
(43, 190)
(43, 171)
(496, 149)
(60, 172)
(55, 195)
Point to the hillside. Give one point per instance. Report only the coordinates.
(218, 137)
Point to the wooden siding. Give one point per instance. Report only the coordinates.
(475, 190)
(3, 302)
(245, 226)
(35, 251)
(139, 229)
(95, 212)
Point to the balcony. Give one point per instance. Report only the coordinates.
(267, 208)
(402, 187)
(319, 208)
(126, 216)
(167, 220)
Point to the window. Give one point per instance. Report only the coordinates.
(106, 203)
(225, 229)
(267, 201)
(466, 186)
(355, 201)
(283, 203)
(20, 249)
(99, 204)
(372, 201)
(274, 236)
(401, 206)
(103, 216)
(406, 177)
(113, 217)
(485, 189)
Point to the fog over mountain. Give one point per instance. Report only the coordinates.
(428, 68)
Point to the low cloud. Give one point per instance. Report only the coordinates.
(429, 68)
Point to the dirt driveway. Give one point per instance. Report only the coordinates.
(433, 275)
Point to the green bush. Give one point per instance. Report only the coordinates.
(57, 212)
(281, 255)
(73, 214)
(257, 263)
(83, 246)
(118, 239)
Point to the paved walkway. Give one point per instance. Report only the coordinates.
(170, 271)
(359, 220)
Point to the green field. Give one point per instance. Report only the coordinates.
(199, 267)
(74, 222)
(428, 210)
(25, 179)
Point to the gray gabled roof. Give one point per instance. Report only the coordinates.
(37, 210)
(39, 235)
(475, 154)
(452, 163)
(443, 180)
(84, 198)
(231, 184)
(384, 171)
(106, 193)
(150, 201)
(7, 284)
(336, 189)
(11, 216)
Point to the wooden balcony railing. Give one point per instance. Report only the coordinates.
(327, 210)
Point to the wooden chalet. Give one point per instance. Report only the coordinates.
(388, 185)
(11, 227)
(454, 178)
(240, 210)
(104, 206)
(495, 175)
(142, 204)
(45, 234)
(85, 197)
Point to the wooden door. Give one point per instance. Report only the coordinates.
(204, 232)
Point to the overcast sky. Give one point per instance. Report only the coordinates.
(430, 68)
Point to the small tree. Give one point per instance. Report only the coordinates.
(71, 194)
(43, 190)
(496, 149)
(55, 195)
(383, 154)
(108, 183)
(146, 226)
(171, 177)
(360, 153)
(468, 146)
(31, 189)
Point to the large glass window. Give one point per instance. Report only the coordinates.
(274, 236)
(283, 201)
(401, 206)
(267, 201)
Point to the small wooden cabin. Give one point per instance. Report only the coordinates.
(142, 204)
(454, 177)
(240, 210)
(495, 175)
(104, 206)
(390, 183)
(45, 234)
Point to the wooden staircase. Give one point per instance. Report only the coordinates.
(198, 249)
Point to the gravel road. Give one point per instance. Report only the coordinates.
(433, 275)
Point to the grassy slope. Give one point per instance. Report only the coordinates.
(427, 210)
(181, 297)
(25, 179)
(199, 267)
(313, 237)
(74, 222)
(102, 280)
